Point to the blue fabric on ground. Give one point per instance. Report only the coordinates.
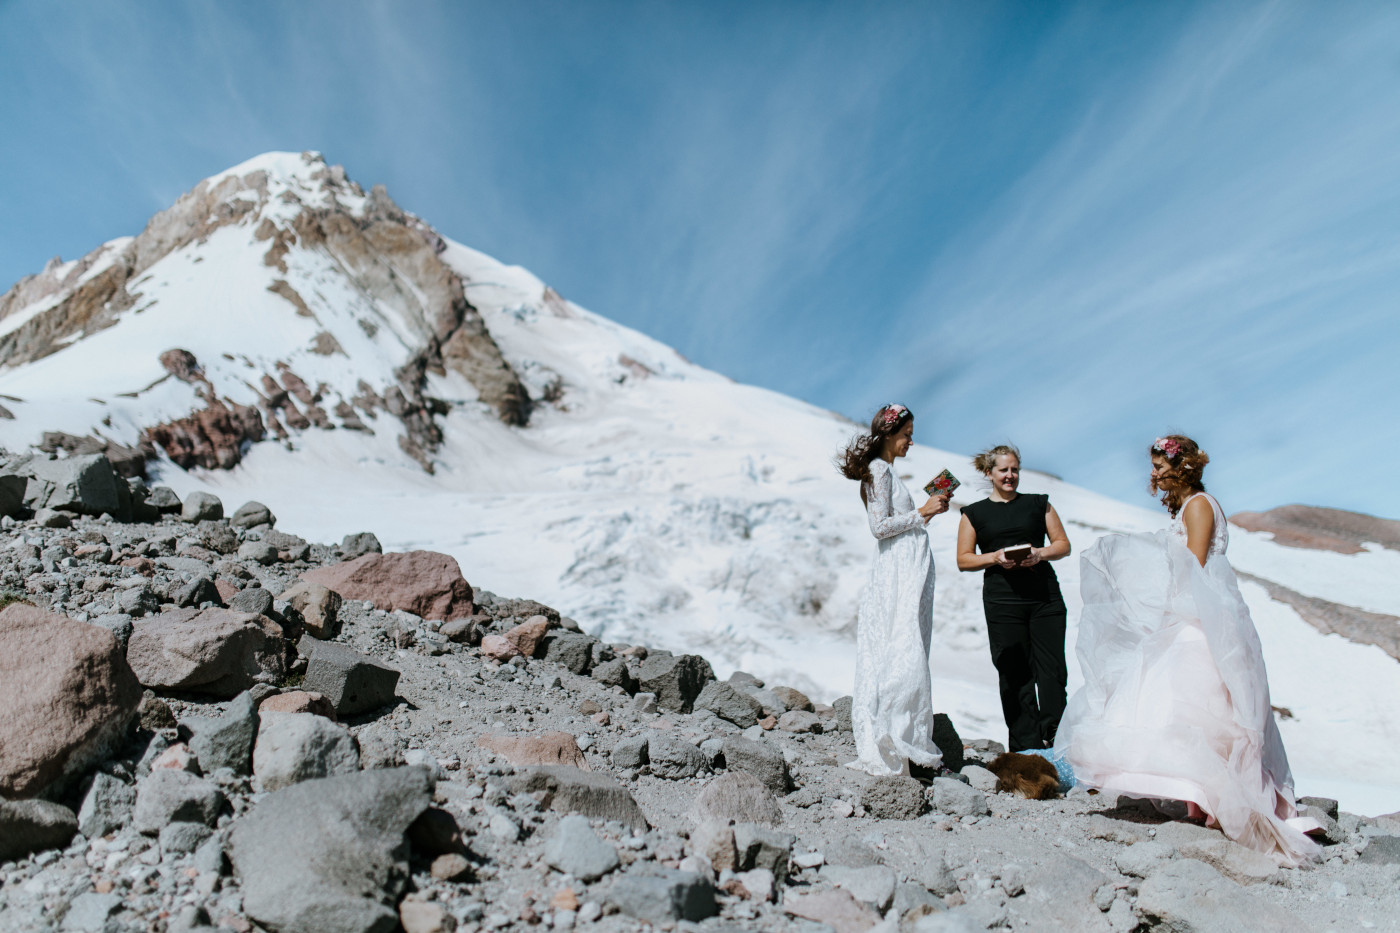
(1062, 767)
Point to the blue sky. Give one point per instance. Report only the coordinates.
(1073, 226)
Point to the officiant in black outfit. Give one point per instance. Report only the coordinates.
(1020, 595)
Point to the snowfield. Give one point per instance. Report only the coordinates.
(653, 500)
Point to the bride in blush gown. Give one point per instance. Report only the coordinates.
(892, 707)
(1175, 703)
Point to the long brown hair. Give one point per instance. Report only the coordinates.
(854, 461)
(1186, 463)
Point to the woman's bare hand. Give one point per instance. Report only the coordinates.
(1004, 562)
(936, 505)
(1032, 560)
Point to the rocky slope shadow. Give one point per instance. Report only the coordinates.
(209, 723)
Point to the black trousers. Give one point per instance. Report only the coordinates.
(1027, 638)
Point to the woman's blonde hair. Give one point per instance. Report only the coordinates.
(987, 459)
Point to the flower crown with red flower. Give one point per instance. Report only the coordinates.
(892, 413)
(1167, 445)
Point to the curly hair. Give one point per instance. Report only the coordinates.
(987, 459)
(1186, 462)
(854, 461)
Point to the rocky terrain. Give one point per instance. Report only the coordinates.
(207, 722)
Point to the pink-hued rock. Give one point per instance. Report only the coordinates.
(226, 589)
(215, 651)
(546, 748)
(499, 648)
(836, 908)
(526, 636)
(425, 583)
(175, 758)
(66, 692)
(299, 701)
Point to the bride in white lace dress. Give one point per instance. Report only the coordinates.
(1175, 703)
(892, 708)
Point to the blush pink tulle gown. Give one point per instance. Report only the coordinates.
(1175, 702)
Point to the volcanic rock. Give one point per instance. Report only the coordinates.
(425, 583)
(329, 854)
(66, 694)
(295, 747)
(217, 652)
(353, 682)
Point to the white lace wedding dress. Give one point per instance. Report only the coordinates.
(892, 708)
(1175, 703)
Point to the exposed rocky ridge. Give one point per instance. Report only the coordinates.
(1309, 526)
(439, 805)
(1358, 625)
(387, 257)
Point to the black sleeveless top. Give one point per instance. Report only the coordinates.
(1003, 524)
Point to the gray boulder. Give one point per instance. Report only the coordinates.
(630, 752)
(84, 484)
(183, 838)
(1381, 850)
(1184, 894)
(875, 884)
(118, 623)
(252, 514)
(137, 601)
(760, 759)
(893, 797)
(226, 741)
(259, 552)
(614, 673)
(201, 507)
(34, 825)
(842, 707)
(296, 747)
(571, 649)
(164, 500)
(106, 806)
(726, 702)
(676, 680)
(197, 592)
(252, 599)
(330, 855)
(357, 545)
(588, 793)
(90, 912)
(736, 796)
(664, 896)
(576, 850)
(353, 682)
(955, 798)
(674, 758)
(1142, 858)
(758, 846)
(172, 796)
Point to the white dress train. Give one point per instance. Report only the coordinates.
(1175, 702)
(892, 708)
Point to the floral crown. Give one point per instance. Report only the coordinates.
(1167, 445)
(892, 413)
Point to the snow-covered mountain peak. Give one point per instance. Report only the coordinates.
(280, 334)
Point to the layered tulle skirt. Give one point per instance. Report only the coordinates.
(1175, 703)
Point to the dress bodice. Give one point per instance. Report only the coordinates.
(1220, 534)
(888, 505)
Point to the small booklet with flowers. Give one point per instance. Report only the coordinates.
(944, 484)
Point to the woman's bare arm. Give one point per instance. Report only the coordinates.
(968, 558)
(1059, 541)
(1199, 519)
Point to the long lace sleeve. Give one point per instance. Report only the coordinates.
(879, 506)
